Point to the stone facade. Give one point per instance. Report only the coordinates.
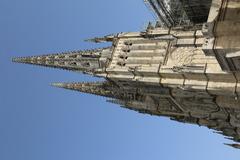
(188, 73)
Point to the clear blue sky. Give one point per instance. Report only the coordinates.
(39, 122)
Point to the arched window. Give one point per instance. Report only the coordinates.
(121, 64)
(73, 63)
(123, 56)
(128, 43)
(86, 64)
(126, 50)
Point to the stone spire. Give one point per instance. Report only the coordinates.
(105, 89)
(86, 61)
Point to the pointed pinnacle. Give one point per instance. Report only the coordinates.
(21, 59)
(59, 85)
(70, 86)
(96, 88)
(107, 38)
(96, 40)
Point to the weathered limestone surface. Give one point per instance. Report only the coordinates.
(222, 33)
(190, 74)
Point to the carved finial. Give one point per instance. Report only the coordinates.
(108, 38)
(95, 40)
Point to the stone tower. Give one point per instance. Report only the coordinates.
(188, 72)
